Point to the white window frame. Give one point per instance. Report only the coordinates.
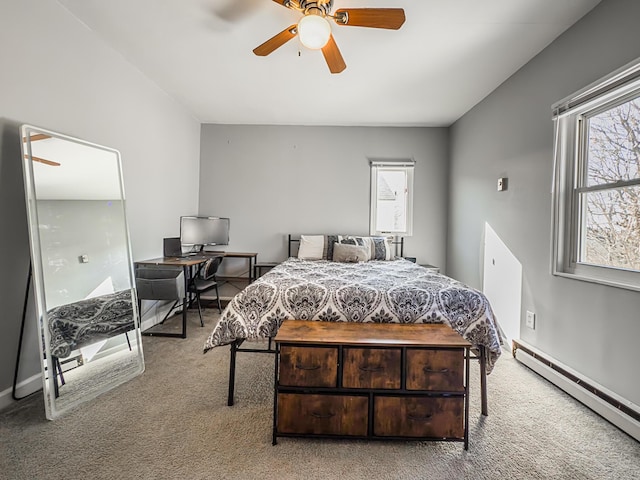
(570, 117)
(378, 165)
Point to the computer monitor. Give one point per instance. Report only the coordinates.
(202, 231)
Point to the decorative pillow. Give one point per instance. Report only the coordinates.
(364, 242)
(321, 247)
(329, 242)
(381, 249)
(343, 252)
(311, 247)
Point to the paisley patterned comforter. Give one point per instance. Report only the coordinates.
(396, 291)
(80, 323)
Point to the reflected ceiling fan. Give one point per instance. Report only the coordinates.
(314, 28)
(40, 136)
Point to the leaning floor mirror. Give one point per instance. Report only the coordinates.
(82, 268)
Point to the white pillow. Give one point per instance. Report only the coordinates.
(311, 247)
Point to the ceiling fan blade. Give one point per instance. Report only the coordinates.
(43, 160)
(294, 4)
(276, 41)
(333, 56)
(391, 18)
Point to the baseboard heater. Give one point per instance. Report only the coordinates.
(624, 415)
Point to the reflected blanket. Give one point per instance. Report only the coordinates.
(80, 323)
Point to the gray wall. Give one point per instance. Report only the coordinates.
(591, 328)
(58, 75)
(276, 180)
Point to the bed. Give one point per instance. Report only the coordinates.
(383, 288)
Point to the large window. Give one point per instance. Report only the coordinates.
(391, 197)
(597, 182)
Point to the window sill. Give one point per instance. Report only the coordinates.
(601, 281)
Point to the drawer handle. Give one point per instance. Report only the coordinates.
(421, 418)
(303, 367)
(432, 370)
(373, 368)
(322, 415)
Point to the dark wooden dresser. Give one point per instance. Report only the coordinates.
(371, 381)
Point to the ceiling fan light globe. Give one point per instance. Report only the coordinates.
(314, 31)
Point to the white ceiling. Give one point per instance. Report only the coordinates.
(447, 57)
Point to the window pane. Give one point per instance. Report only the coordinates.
(391, 213)
(611, 233)
(614, 144)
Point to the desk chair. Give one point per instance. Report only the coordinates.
(205, 280)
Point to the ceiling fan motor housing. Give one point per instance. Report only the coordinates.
(323, 6)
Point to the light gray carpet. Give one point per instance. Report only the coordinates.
(173, 422)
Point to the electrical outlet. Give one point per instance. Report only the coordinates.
(531, 320)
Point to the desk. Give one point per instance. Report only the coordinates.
(186, 263)
(259, 267)
(250, 256)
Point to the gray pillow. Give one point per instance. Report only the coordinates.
(349, 253)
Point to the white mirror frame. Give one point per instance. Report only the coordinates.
(117, 364)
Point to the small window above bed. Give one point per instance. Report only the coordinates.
(391, 197)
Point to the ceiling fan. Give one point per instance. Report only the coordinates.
(314, 29)
(40, 136)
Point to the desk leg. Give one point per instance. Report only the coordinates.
(185, 303)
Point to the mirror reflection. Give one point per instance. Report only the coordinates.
(82, 268)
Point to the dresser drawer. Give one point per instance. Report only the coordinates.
(429, 369)
(322, 414)
(371, 368)
(438, 417)
(308, 366)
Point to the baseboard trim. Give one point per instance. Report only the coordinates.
(23, 389)
(619, 412)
